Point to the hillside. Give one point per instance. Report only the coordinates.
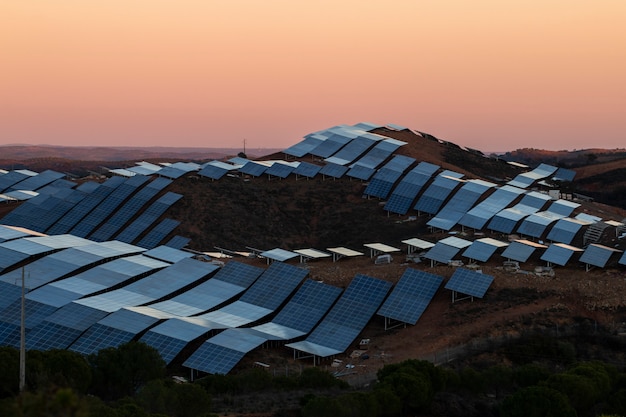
(239, 212)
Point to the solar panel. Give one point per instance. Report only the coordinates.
(507, 220)
(10, 233)
(535, 225)
(563, 207)
(482, 249)
(442, 252)
(478, 216)
(86, 205)
(597, 255)
(472, 283)
(351, 151)
(278, 254)
(459, 204)
(306, 169)
(303, 311)
(347, 318)
(280, 170)
(436, 194)
(302, 148)
(213, 172)
(11, 178)
(148, 217)
(329, 146)
(253, 168)
(563, 174)
(526, 179)
(565, 230)
(361, 172)
(108, 206)
(130, 209)
(411, 295)
(382, 182)
(379, 153)
(408, 188)
(333, 170)
(81, 314)
(178, 242)
(158, 233)
(276, 283)
(167, 254)
(559, 253)
(622, 260)
(521, 250)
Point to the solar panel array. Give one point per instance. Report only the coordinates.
(446, 249)
(107, 206)
(85, 206)
(253, 168)
(478, 216)
(483, 249)
(535, 225)
(382, 182)
(305, 146)
(565, 230)
(304, 310)
(307, 169)
(333, 170)
(156, 235)
(148, 217)
(361, 172)
(11, 178)
(438, 191)
(521, 250)
(526, 179)
(472, 283)
(330, 146)
(459, 204)
(379, 153)
(559, 253)
(347, 318)
(64, 326)
(128, 210)
(268, 292)
(280, 170)
(35, 182)
(411, 295)
(408, 188)
(351, 151)
(597, 255)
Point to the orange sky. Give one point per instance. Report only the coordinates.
(488, 74)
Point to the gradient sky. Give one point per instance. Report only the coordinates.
(488, 74)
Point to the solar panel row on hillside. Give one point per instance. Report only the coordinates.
(438, 191)
(410, 185)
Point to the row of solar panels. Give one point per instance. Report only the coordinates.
(129, 210)
(86, 296)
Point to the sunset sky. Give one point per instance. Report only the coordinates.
(488, 74)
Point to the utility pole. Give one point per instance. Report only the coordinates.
(23, 338)
(244, 146)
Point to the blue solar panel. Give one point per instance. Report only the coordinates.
(167, 346)
(254, 169)
(347, 318)
(399, 163)
(597, 255)
(129, 210)
(436, 194)
(308, 170)
(480, 250)
(559, 253)
(518, 251)
(379, 153)
(411, 295)
(108, 206)
(622, 260)
(158, 233)
(302, 148)
(215, 359)
(442, 253)
(361, 172)
(276, 283)
(478, 216)
(279, 170)
(333, 170)
(178, 242)
(469, 282)
(35, 182)
(563, 174)
(410, 185)
(565, 230)
(9, 179)
(506, 221)
(351, 151)
(563, 207)
(150, 215)
(213, 172)
(459, 204)
(72, 217)
(330, 146)
(380, 186)
(535, 225)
